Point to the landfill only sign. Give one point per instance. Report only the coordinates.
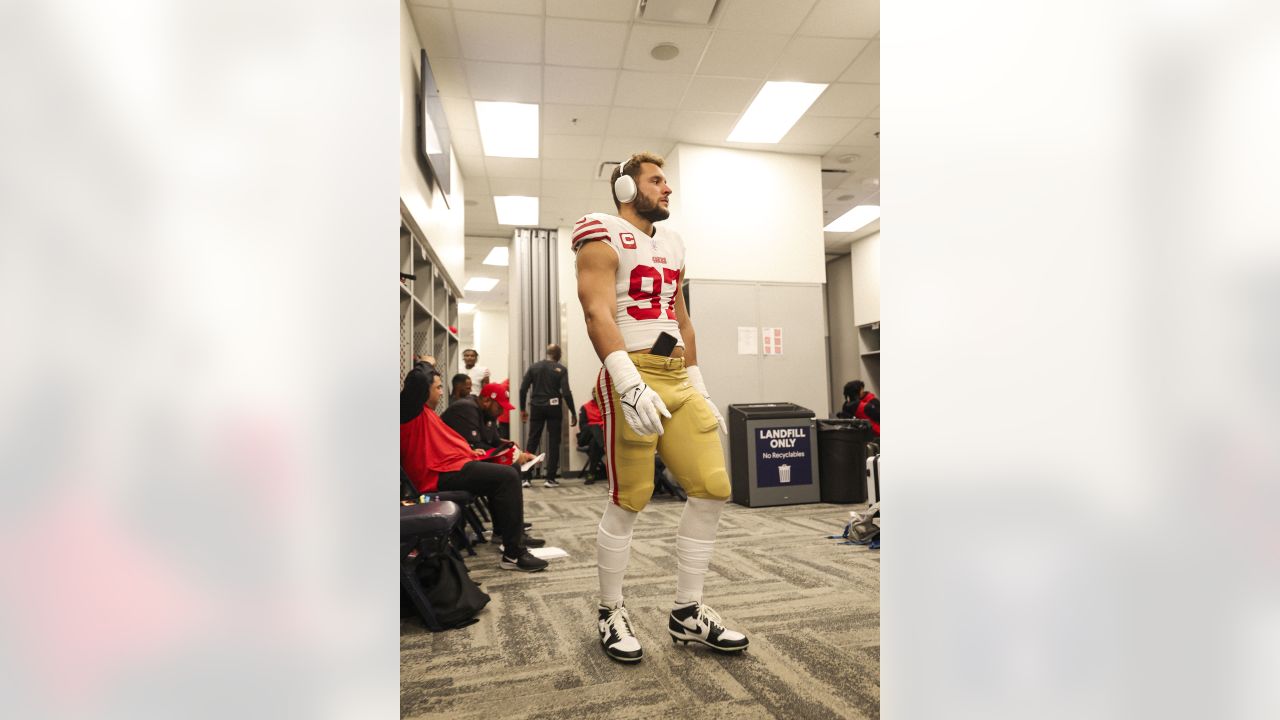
(783, 456)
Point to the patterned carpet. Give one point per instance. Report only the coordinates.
(810, 606)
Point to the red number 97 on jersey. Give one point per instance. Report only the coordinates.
(649, 299)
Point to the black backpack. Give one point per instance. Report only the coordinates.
(454, 597)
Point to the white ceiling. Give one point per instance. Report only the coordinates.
(602, 96)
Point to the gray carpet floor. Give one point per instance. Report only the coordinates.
(811, 607)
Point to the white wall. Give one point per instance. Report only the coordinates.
(865, 259)
(748, 215)
(441, 222)
(491, 339)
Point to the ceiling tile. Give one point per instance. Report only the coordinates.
(703, 127)
(715, 94)
(564, 210)
(435, 32)
(638, 121)
(505, 81)
(531, 187)
(820, 131)
(865, 69)
(523, 7)
(577, 86)
(574, 119)
(864, 134)
(527, 168)
(478, 185)
(866, 156)
(616, 147)
(429, 3)
(500, 37)
(650, 90)
(846, 100)
(566, 188)
(771, 16)
(741, 54)
(466, 141)
(843, 18)
(570, 147)
(568, 169)
(472, 166)
(585, 43)
(808, 59)
(451, 76)
(460, 112)
(592, 9)
(795, 148)
(691, 41)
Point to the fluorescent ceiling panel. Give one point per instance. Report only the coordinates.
(855, 219)
(776, 108)
(496, 256)
(466, 307)
(480, 284)
(516, 209)
(508, 129)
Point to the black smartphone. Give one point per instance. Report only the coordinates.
(665, 345)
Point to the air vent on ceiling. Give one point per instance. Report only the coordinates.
(685, 12)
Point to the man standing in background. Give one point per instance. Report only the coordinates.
(550, 383)
(479, 374)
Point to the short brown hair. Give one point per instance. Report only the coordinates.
(633, 169)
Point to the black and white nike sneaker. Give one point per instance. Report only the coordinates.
(616, 636)
(695, 622)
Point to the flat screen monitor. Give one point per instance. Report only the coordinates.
(433, 131)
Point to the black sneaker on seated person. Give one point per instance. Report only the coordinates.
(525, 563)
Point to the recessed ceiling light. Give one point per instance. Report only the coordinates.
(516, 209)
(480, 284)
(496, 256)
(851, 157)
(775, 109)
(871, 182)
(664, 51)
(508, 129)
(466, 307)
(846, 198)
(855, 219)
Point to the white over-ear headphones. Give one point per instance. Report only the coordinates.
(624, 188)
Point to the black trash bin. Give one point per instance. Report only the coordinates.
(772, 456)
(842, 460)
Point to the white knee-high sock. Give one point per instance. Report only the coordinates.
(695, 541)
(613, 550)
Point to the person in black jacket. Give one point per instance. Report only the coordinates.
(550, 383)
(474, 417)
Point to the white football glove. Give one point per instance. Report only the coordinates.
(695, 379)
(641, 406)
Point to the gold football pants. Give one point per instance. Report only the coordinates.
(689, 445)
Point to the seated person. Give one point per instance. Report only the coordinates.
(862, 404)
(437, 458)
(474, 417)
(461, 387)
(591, 436)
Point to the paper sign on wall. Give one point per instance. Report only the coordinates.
(748, 340)
(772, 341)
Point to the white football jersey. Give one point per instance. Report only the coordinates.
(649, 272)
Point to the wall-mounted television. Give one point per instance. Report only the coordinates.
(433, 131)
